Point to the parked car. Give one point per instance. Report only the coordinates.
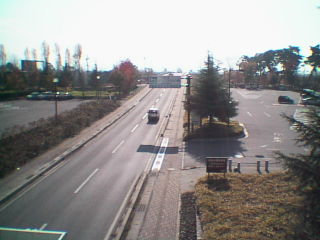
(46, 95)
(33, 96)
(285, 99)
(64, 95)
(310, 101)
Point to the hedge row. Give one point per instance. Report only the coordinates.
(24, 143)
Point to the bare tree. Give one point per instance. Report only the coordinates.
(58, 57)
(27, 54)
(77, 56)
(67, 58)
(3, 55)
(45, 52)
(34, 54)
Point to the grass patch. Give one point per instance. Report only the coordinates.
(216, 130)
(248, 206)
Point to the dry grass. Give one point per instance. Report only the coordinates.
(247, 206)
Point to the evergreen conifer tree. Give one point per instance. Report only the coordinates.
(306, 169)
(209, 98)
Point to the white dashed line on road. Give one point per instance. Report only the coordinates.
(144, 117)
(135, 128)
(267, 114)
(86, 181)
(43, 226)
(117, 147)
(249, 114)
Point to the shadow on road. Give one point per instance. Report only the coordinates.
(155, 149)
(198, 150)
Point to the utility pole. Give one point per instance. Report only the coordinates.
(229, 97)
(188, 99)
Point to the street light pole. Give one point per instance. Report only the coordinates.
(229, 97)
(188, 100)
(55, 81)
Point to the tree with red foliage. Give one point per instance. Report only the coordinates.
(129, 73)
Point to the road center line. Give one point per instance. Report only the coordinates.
(86, 181)
(135, 128)
(117, 147)
(249, 114)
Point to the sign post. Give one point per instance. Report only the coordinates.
(217, 165)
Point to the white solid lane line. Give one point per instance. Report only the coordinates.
(86, 181)
(135, 128)
(117, 147)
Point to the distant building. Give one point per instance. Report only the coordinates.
(167, 80)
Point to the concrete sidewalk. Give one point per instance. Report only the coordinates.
(25, 175)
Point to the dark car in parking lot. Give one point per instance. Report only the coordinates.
(285, 99)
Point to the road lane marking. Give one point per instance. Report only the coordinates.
(277, 137)
(135, 128)
(117, 147)
(160, 156)
(86, 181)
(249, 114)
(144, 117)
(267, 114)
(157, 100)
(43, 226)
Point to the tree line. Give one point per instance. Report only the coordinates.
(282, 66)
(36, 74)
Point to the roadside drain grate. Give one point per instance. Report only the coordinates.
(141, 208)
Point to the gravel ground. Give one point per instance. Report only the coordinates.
(188, 223)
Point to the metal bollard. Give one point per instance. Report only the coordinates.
(267, 166)
(230, 165)
(238, 167)
(258, 166)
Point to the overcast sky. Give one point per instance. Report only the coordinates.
(159, 34)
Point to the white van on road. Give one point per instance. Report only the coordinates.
(153, 114)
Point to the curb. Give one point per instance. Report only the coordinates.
(47, 167)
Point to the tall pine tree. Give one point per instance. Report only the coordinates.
(306, 169)
(209, 98)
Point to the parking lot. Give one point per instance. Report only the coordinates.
(23, 112)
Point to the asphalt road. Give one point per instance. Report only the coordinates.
(22, 112)
(83, 195)
(267, 132)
